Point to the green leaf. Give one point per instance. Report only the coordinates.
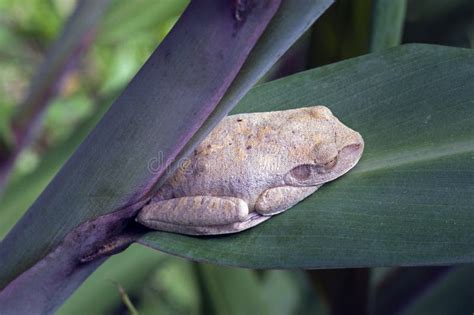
(408, 202)
(342, 33)
(233, 291)
(172, 289)
(388, 17)
(99, 294)
(243, 291)
(290, 292)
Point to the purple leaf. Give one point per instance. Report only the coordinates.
(160, 110)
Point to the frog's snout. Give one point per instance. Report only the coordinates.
(350, 141)
(350, 151)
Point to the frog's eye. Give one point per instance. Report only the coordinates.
(331, 163)
(301, 172)
(325, 153)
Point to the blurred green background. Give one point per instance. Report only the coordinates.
(125, 37)
(120, 42)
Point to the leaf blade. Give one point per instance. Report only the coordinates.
(388, 18)
(399, 100)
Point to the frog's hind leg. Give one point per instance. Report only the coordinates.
(278, 199)
(199, 215)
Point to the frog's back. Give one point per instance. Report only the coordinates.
(233, 160)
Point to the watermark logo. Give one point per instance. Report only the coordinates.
(157, 165)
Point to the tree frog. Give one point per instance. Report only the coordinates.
(252, 167)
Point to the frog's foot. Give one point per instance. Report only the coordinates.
(278, 199)
(199, 215)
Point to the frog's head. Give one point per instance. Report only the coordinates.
(330, 149)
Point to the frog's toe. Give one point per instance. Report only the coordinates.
(278, 199)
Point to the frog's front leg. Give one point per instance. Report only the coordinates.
(278, 199)
(199, 215)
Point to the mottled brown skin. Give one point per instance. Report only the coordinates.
(253, 166)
